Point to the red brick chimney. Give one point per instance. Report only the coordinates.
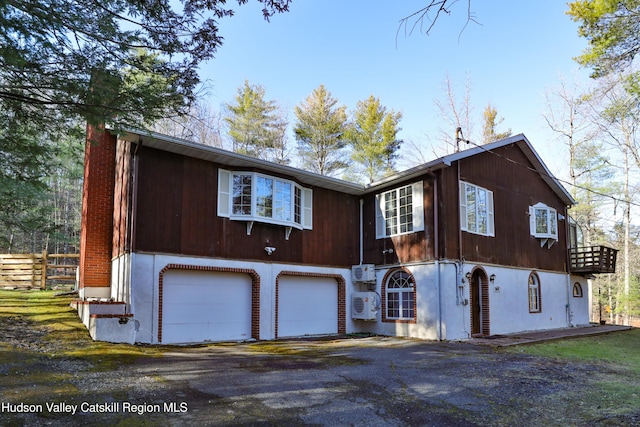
(97, 213)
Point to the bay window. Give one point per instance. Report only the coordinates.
(251, 196)
(543, 224)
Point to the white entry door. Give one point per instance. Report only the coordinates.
(199, 306)
(307, 306)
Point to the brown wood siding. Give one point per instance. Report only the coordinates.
(410, 247)
(515, 188)
(334, 239)
(176, 212)
(122, 198)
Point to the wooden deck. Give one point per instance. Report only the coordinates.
(593, 260)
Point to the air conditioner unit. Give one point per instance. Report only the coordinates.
(364, 305)
(363, 273)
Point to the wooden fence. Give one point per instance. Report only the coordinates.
(34, 271)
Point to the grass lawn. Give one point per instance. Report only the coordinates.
(616, 375)
(594, 379)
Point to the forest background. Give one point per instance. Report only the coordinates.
(66, 63)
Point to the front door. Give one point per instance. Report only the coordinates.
(479, 303)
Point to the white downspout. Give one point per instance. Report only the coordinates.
(436, 252)
(361, 231)
(567, 240)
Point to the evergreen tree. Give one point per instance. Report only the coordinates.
(373, 138)
(115, 62)
(255, 124)
(611, 28)
(319, 131)
(491, 122)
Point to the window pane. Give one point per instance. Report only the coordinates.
(534, 293)
(406, 209)
(297, 206)
(283, 201)
(400, 296)
(407, 305)
(553, 225)
(471, 208)
(481, 209)
(391, 213)
(542, 224)
(241, 195)
(264, 197)
(393, 305)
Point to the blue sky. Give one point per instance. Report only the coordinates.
(519, 50)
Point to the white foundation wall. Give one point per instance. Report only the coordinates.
(144, 289)
(581, 306)
(444, 304)
(121, 278)
(509, 300)
(442, 296)
(442, 313)
(429, 304)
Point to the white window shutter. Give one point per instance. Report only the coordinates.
(380, 225)
(224, 193)
(307, 208)
(532, 220)
(464, 219)
(417, 199)
(553, 223)
(491, 231)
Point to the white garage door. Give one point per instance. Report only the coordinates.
(205, 306)
(307, 306)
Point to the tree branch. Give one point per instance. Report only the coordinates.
(435, 6)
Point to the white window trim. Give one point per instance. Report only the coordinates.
(411, 289)
(417, 206)
(464, 217)
(547, 238)
(534, 294)
(225, 201)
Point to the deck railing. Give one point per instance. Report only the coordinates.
(593, 260)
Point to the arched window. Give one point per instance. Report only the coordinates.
(400, 296)
(534, 294)
(577, 290)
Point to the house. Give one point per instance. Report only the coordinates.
(185, 243)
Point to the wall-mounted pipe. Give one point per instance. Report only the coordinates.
(361, 231)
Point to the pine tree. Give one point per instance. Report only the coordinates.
(255, 124)
(373, 136)
(319, 131)
(491, 122)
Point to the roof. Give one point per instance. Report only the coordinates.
(520, 140)
(235, 160)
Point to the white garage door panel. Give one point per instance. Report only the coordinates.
(205, 306)
(307, 306)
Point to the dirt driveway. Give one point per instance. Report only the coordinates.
(363, 381)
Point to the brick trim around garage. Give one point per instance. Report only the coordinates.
(255, 292)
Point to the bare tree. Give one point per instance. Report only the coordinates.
(200, 124)
(455, 114)
(619, 115)
(429, 15)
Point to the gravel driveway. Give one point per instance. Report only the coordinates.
(362, 381)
